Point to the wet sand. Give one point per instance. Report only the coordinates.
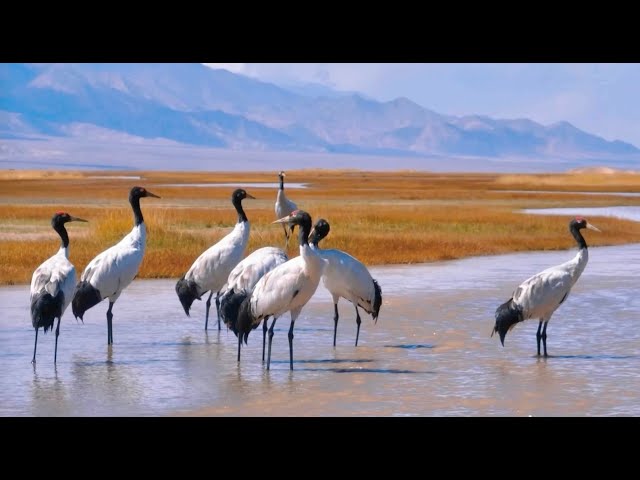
(430, 354)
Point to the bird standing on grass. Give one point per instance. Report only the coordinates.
(284, 207)
(52, 284)
(111, 271)
(540, 296)
(346, 277)
(240, 283)
(286, 288)
(211, 269)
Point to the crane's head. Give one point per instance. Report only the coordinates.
(580, 222)
(297, 217)
(139, 192)
(240, 194)
(60, 218)
(319, 231)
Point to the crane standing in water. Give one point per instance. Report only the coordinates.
(540, 296)
(52, 284)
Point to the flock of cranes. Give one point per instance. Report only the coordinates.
(267, 283)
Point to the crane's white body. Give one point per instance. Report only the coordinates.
(114, 269)
(55, 274)
(288, 287)
(283, 205)
(540, 295)
(212, 268)
(246, 274)
(347, 277)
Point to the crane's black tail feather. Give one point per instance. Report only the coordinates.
(187, 291)
(507, 315)
(230, 303)
(246, 320)
(84, 297)
(377, 301)
(45, 308)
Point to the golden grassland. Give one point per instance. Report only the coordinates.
(379, 217)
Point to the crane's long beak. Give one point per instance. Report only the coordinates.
(282, 220)
(77, 219)
(593, 228)
(313, 230)
(251, 196)
(149, 194)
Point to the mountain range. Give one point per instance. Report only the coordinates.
(195, 105)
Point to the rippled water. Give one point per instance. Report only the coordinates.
(430, 354)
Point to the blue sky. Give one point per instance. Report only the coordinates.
(603, 99)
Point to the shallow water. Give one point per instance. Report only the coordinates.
(239, 185)
(430, 354)
(624, 212)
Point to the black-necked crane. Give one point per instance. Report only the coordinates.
(346, 277)
(211, 269)
(110, 272)
(240, 283)
(52, 284)
(540, 296)
(284, 207)
(286, 288)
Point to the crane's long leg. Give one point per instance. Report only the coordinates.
(358, 321)
(294, 314)
(544, 337)
(270, 340)
(206, 320)
(264, 335)
(291, 344)
(110, 325)
(335, 322)
(35, 345)
(218, 308)
(239, 345)
(55, 352)
(539, 336)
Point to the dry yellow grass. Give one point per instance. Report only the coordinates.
(381, 218)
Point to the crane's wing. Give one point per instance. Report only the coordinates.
(214, 264)
(247, 273)
(348, 277)
(275, 291)
(543, 292)
(291, 205)
(115, 268)
(52, 275)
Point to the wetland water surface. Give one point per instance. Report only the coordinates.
(430, 354)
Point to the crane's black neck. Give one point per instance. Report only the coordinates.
(64, 237)
(582, 243)
(237, 202)
(316, 239)
(134, 200)
(304, 230)
(281, 182)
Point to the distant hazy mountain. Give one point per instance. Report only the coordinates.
(193, 104)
